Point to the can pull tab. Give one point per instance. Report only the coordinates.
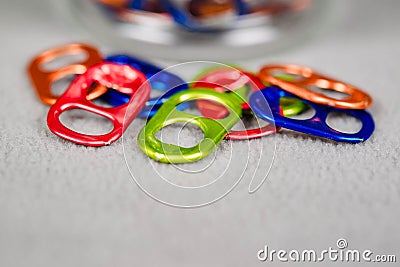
(266, 105)
(43, 79)
(122, 78)
(357, 99)
(214, 130)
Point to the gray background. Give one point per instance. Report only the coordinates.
(67, 205)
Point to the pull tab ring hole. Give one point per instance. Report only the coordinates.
(106, 97)
(343, 122)
(307, 113)
(85, 122)
(64, 60)
(181, 134)
(204, 108)
(286, 76)
(329, 92)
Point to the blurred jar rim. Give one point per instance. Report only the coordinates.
(153, 13)
(152, 33)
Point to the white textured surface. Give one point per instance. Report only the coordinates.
(67, 205)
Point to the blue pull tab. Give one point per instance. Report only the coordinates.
(159, 80)
(265, 104)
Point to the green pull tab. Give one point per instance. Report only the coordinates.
(214, 130)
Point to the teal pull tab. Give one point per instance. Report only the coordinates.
(214, 130)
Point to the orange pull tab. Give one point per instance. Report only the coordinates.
(357, 99)
(42, 79)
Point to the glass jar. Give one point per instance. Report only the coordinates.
(198, 29)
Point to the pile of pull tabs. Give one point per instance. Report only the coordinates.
(277, 92)
(201, 15)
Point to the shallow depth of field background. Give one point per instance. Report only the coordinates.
(68, 205)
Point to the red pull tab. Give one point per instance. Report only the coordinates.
(122, 78)
(222, 80)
